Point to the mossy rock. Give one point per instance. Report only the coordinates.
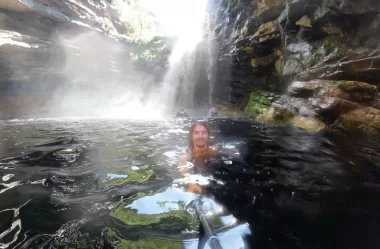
(143, 175)
(258, 102)
(311, 124)
(276, 115)
(332, 45)
(355, 86)
(281, 116)
(266, 102)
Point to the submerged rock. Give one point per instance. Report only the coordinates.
(281, 115)
(309, 123)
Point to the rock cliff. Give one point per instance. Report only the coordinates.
(314, 64)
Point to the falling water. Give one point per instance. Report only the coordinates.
(211, 24)
(190, 79)
(284, 17)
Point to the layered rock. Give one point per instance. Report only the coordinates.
(325, 102)
(323, 54)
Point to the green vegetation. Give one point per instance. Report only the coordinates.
(138, 21)
(140, 28)
(155, 51)
(332, 46)
(142, 175)
(258, 102)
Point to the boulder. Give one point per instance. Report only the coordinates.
(332, 107)
(276, 114)
(311, 124)
(364, 119)
(280, 115)
(267, 31)
(304, 22)
(258, 102)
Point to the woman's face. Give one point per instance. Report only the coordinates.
(200, 136)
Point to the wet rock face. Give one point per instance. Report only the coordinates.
(365, 119)
(45, 54)
(31, 56)
(45, 17)
(323, 52)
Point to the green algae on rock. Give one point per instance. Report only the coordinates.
(276, 114)
(258, 102)
(311, 124)
(280, 115)
(131, 176)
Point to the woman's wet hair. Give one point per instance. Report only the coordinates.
(190, 135)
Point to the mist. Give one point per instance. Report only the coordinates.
(103, 82)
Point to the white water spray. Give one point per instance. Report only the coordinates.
(185, 62)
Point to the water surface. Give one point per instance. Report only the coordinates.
(109, 183)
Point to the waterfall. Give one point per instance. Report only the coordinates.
(190, 80)
(212, 56)
(103, 82)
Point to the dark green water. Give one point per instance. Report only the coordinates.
(93, 183)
